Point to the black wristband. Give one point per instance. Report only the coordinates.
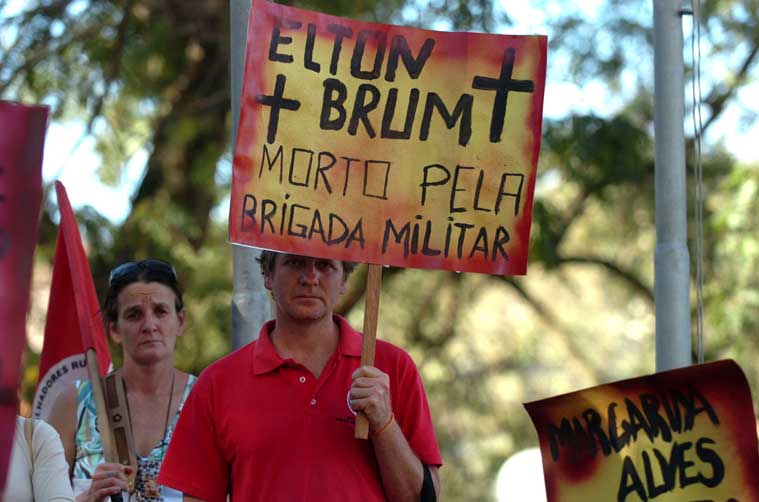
(428, 487)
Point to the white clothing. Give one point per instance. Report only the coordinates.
(48, 479)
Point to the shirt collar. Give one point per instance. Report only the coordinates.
(350, 339)
(266, 359)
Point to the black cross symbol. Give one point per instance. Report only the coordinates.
(276, 101)
(502, 85)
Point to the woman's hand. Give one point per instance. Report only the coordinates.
(108, 479)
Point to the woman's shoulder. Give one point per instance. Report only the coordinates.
(43, 430)
(38, 434)
(188, 378)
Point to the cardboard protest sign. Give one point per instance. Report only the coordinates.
(388, 145)
(74, 322)
(682, 435)
(21, 147)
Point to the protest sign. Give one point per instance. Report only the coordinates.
(21, 147)
(686, 435)
(388, 145)
(74, 322)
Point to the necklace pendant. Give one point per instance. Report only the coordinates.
(152, 488)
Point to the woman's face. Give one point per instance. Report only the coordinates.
(147, 324)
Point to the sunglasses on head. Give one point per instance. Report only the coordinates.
(132, 267)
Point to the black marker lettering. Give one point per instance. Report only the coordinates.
(276, 101)
(502, 86)
(414, 66)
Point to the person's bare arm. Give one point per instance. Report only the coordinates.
(401, 470)
(63, 419)
(187, 498)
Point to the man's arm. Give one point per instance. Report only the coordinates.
(401, 470)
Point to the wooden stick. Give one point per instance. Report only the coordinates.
(106, 435)
(110, 451)
(371, 315)
(119, 420)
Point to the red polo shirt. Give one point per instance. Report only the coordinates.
(262, 428)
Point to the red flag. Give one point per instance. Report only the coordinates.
(22, 138)
(74, 322)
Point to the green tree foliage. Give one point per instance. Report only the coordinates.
(153, 75)
(733, 299)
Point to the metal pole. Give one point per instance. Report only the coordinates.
(672, 261)
(250, 302)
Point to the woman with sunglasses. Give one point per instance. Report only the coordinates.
(143, 312)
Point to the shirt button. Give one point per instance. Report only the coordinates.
(313, 402)
(302, 379)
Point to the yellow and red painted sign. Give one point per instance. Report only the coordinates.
(686, 435)
(385, 144)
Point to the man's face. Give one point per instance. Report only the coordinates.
(148, 323)
(305, 288)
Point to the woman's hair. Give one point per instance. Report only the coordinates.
(267, 258)
(150, 270)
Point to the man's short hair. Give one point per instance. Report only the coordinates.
(267, 259)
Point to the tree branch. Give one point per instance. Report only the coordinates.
(113, 69)
(576, 351)
(716, 101)
(628, 277)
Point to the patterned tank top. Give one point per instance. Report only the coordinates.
(89, 446)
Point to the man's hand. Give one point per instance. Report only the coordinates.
(370, 393)
(108, 479)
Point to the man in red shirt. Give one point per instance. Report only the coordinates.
(274, 421)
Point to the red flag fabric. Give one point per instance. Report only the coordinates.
(74, 322)
(22, 139)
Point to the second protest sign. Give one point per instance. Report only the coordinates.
(682, 435)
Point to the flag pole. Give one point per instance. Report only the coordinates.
(93, 368)
(250, 301)
(671, 258)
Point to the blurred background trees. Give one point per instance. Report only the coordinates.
(152, 76)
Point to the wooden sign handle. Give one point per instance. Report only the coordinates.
(106, 435)
(114, 391)
(111, 446)
(371, 315)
